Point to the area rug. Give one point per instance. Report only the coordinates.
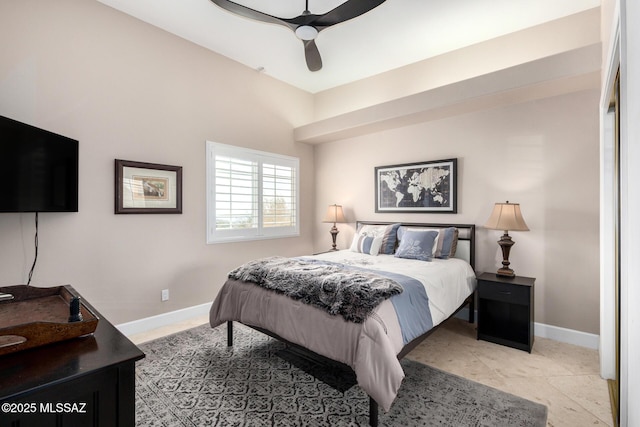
(193, 379)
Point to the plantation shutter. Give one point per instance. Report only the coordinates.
(251, 194)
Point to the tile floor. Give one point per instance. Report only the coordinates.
(563, 377)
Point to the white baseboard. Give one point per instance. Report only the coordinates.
(149, 323)
(569, 336)
(556, 333)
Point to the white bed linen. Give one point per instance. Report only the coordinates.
(369, 348)
(447, 281)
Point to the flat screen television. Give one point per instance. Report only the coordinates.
(38, 169)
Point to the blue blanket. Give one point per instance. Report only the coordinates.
(411, 305)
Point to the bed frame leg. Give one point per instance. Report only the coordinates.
(229, 333)
(472, 308)
(373, 412)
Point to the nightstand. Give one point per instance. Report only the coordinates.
(505, 310)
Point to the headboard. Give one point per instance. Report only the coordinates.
(466, 236)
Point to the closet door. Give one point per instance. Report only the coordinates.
(614, 112)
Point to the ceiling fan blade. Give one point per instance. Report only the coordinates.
(247, 12)
(347, 10)
(312, 55)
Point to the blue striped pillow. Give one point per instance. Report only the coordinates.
(366, 244)
(387, 232)
(447, 243)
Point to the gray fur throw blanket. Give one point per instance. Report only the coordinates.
(329, 286)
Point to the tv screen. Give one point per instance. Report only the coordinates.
(38, 169)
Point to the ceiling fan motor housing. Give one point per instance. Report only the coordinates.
(306, 32)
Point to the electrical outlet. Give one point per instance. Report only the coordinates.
(165, 295)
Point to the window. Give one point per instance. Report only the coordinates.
(251, 194)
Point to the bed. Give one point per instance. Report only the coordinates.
(370, 341)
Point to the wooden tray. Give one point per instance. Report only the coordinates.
(39, 316)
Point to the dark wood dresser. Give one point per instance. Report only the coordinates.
(85, 381)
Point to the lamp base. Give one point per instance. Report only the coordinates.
(505, 272)
(334, 233)
(505, 243)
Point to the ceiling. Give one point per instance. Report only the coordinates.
(395, 34)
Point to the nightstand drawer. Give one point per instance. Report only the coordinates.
(513, 294)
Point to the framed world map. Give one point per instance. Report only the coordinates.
(417, 187)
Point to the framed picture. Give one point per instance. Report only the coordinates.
(143, 188)
(428, 187)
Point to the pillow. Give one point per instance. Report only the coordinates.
(417, 244)
(366, 244)
(387, 232)
(446, 243)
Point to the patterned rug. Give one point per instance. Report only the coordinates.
(193, 379)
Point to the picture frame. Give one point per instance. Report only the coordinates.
(147, 188)
(418, 187)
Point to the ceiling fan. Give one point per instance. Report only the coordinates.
(307, 25)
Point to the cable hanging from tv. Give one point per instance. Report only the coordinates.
(35, 258)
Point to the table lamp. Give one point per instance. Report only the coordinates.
(334, 214)
(506, 216)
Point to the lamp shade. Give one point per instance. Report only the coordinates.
(507, 217)
(334, 214)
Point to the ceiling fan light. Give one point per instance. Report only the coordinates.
(306, 32)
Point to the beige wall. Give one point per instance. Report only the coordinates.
(128, 90)
(534, 140)
(542, 154)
